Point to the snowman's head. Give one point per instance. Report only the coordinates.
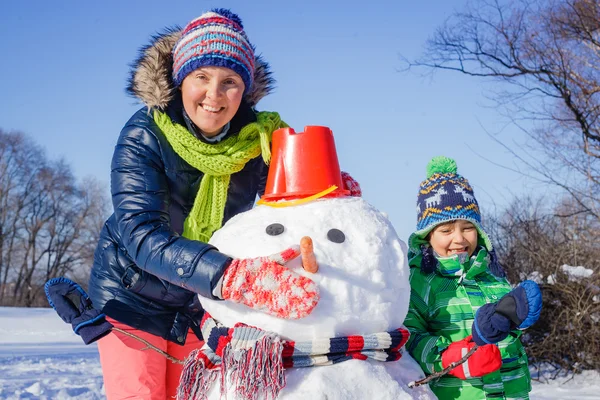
(362, 276)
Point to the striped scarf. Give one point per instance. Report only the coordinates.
(217, 161)
(253, 360)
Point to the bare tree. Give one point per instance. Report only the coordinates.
(49, 222)
(547, 55)
(538, 241)
(19, 159)
(73, 233)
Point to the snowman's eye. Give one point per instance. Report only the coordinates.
(275, 229)
(336, 236)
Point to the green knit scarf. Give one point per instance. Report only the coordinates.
(217, 161)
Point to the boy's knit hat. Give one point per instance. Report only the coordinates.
(445, 196)
(217, 39)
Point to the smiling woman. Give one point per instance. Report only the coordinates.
(192, 158)
(211, 97)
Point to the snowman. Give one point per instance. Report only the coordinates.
(361, 271)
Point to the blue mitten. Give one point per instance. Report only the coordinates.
(74, 306)
(518, 309)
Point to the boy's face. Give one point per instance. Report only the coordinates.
(454, 237)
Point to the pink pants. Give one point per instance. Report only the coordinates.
(132, 373)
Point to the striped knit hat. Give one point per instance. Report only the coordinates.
(217, 39)
(445, 196)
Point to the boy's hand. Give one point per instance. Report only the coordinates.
(518, 309)
(266, 285)
(485, 360)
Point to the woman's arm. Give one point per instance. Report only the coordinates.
(141, 198)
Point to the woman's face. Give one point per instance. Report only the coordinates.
(211, 97)
(454, 237)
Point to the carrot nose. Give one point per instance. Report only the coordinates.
(309, 261)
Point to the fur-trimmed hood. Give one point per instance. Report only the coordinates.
(151, 81)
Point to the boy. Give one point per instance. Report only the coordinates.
(454, 272)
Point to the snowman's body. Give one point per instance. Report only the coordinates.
(363, 284)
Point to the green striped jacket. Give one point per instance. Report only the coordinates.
(441, 311)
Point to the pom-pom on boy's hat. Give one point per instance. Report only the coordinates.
(217, 39)
(445, 196)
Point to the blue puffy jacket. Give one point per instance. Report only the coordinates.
(145, 274)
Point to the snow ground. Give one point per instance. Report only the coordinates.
(40, 358)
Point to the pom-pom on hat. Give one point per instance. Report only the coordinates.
(445, 196)
(216, 39)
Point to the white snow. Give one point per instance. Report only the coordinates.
(363, 285)
(584, 386)
(574, 274)
(41, 358)
(38, 352)
(577, 272)
(363, 281)
(535, 276)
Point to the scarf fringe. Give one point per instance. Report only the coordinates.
(255, 373)
(196, 379)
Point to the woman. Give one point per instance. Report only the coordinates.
(195, 156)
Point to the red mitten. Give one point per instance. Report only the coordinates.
(351, 185)
(266, 285)
(485, 360)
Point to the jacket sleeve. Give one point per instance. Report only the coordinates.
(141, 197)
(425, 347)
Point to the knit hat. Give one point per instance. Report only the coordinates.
(445, 196)
(217, 39)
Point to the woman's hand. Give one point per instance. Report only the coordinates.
(265, 284)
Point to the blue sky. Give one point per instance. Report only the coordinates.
(65, 66)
